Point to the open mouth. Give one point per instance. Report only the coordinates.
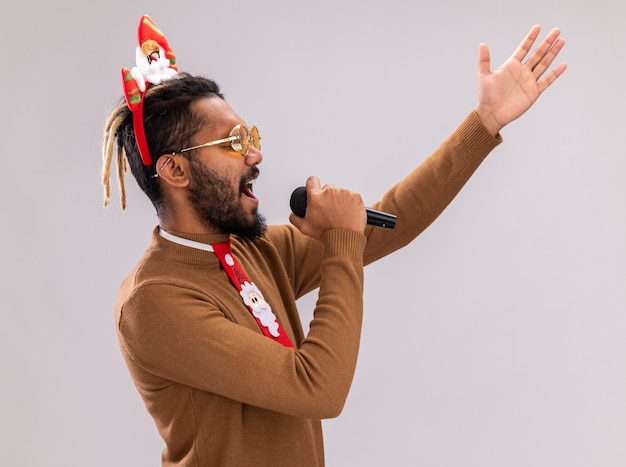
(247, 189)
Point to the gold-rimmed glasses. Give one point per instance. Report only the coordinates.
(240, 139)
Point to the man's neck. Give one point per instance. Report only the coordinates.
(186, 224)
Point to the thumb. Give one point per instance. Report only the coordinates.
(313, 184)
(484, 59)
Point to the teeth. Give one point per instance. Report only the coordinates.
(248, 187)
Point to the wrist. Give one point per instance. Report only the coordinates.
(489, 121)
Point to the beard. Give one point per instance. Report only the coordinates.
(218, 205)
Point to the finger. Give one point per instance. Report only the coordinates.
(525, 46)
(296, 220)
(541, 51)
(301, 224)
(547, 80)
(484, 60)
(548, 58)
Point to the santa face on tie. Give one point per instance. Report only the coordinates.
(261, 310)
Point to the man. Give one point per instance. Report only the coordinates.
(218, 354)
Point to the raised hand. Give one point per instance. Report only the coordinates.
(509, 91)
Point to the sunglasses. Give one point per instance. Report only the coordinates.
(240, 139)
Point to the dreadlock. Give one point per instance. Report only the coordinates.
(169, 123)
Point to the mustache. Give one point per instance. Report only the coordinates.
(253, 173)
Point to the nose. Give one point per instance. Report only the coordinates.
(254, 156)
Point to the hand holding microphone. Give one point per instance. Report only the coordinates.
(330, 211)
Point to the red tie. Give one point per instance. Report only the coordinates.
(251, 295)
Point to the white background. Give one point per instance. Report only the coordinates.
(495, 339)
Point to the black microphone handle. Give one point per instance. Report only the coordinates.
(374, 218)
(380, 219)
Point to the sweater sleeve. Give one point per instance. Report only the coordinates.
(423, 195)
(417, 200)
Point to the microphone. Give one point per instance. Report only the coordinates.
(376, 218)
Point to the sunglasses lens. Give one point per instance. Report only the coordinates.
(241, 143)
(255, 137)
(244, 138)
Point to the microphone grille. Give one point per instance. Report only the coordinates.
(298, 201)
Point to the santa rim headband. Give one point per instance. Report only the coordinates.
(156, 63)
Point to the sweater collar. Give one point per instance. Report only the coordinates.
(176, 252)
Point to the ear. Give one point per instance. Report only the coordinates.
(173, 170)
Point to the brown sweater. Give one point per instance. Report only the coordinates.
(221, 393)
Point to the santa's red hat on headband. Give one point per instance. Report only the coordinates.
(156, 63)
